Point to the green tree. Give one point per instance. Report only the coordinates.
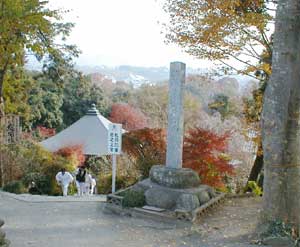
(29, 26)
(78, 96)
(46, 100)
(16, 91)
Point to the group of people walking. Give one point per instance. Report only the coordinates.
(84, 181)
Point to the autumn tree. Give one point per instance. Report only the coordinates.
(204, 152)
(44, 132)
(147, 147)
(281, 120)
(130, 118)
(30, 27)
(224, 31)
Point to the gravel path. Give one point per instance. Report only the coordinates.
(77, 223)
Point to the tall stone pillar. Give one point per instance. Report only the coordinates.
(171, 186)
(175, 115)
(173, 175)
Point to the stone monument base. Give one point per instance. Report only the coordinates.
(182, 178)
(174, 189)
(174, 199)
(174, 194)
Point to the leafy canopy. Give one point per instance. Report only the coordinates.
(223, 30)
(30, 27)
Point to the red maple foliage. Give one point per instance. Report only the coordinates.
(146, 146)
(69, 151)
(129, 117)
(202, 152)
(45, 132)
(38, 134)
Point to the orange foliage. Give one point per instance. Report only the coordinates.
(38, 134)
(146, 146)
(202, 152)
(129, 117)
(71, 151)
(146, 142)
(45, 132)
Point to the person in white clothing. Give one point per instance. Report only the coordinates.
(93, 185)
(64, 179)
(88, 183)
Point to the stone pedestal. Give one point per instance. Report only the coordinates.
(179, 178)
(174, 189)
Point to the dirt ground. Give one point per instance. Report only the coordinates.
(79, 224)
(232, 224)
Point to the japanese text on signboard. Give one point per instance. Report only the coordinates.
(114, 138)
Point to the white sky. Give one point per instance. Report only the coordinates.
(122, 32)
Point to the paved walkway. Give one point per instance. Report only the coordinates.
(39, 198)
(82, 223)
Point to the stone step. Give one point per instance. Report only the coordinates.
(166, 217)
(154, 209)
(154, 213)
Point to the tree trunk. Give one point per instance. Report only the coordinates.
(2, 73)
(281, 120)
(258, 164)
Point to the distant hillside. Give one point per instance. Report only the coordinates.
(135, 75)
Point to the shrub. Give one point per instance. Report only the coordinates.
(104, 183)
(41, 166)
(32, 163)
(16, 187)
(11, 162)
(280, 229)
(37, 183)
(252, 185)
(133, 198)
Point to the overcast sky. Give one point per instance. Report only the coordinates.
(116, 32)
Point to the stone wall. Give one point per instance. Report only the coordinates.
(3, 241)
